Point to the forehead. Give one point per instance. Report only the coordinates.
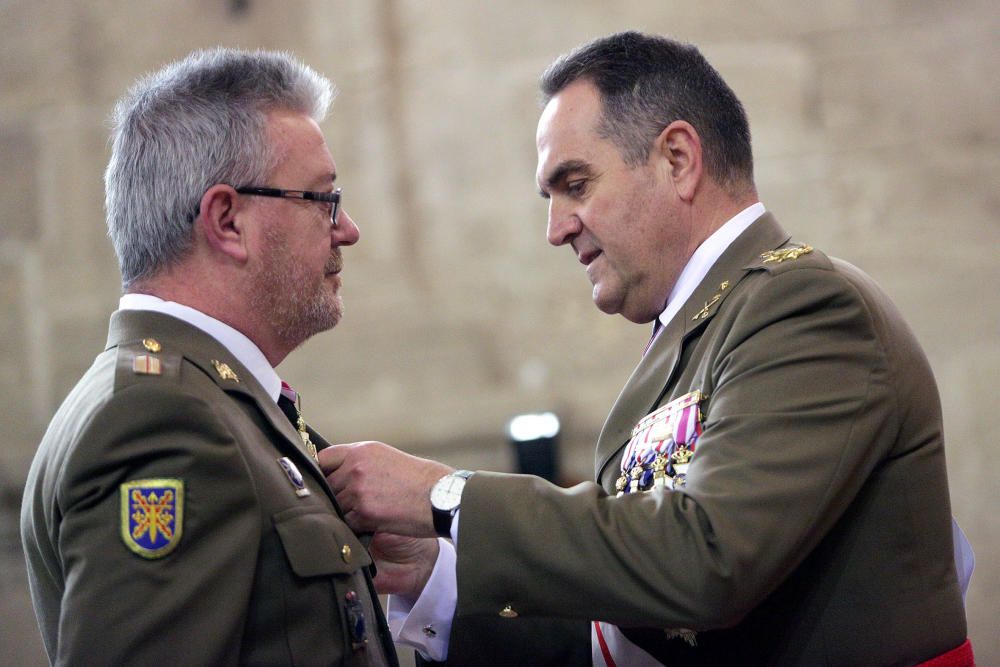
(302, 154)
(567, 130)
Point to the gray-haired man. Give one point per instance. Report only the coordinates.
(174, 513)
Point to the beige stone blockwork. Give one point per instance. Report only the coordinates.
(18, 187)
(875, 137)
(742, 21)
(19, 420)
(37, 65)
(912, 82)
(79, 267)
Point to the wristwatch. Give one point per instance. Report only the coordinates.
(446, 497)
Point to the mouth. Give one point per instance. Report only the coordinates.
(334, 265)
(586, 258)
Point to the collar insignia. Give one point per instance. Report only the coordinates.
(224, 371)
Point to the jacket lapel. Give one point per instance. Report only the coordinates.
(652, 378)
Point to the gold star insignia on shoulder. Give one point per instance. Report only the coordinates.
(779, 256)
(224, 371)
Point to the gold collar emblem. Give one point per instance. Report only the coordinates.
(224, 371)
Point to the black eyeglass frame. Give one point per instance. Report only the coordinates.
(328, 197)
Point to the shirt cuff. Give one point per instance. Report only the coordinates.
(425, 625)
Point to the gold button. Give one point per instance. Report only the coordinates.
(508, 612)
(345, 553)
(151, 344)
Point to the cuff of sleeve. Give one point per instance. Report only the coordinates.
(425, 624)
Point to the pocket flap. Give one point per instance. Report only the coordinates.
(319, 544)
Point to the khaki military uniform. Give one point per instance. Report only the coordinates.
(173, 515)
(812, 525)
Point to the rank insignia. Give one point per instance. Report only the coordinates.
(224, 371)
(146, 364)
(152, 516)
(779, 256)
(294, 476)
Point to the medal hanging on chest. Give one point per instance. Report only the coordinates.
(662, 446)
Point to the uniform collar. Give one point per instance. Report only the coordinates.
(705, 257)
(241, 347)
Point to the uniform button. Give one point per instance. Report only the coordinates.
(508, 612)
(345, 553)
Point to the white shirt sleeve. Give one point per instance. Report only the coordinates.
(965, 559)
(425, 624)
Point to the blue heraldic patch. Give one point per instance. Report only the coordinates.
(152, 516)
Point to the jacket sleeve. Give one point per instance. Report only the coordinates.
(801, 396)
(185, 607)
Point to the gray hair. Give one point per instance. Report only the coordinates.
(192, 124)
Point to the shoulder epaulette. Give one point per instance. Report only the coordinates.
(794, 255)
(145, 359)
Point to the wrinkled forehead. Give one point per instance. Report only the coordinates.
(567, 129)
(301, 150)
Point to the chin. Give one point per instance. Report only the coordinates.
(606, 305)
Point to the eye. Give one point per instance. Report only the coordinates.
(577, 187)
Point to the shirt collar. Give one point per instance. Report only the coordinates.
(239, 345)
(705, 257)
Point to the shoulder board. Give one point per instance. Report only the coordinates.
(145, 360)
(790, 256)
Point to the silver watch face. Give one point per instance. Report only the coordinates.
(446, 494)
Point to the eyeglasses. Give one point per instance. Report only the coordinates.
(329, 197)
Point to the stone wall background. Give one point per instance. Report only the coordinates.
(875, 136)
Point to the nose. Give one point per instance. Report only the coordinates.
(563, 225)
(345, 232)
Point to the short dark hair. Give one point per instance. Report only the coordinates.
(647, 82)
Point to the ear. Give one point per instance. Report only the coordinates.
(680, 146)
(218, 222)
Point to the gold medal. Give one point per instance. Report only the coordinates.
(660, 471)
(634, 474)
(681, 456)
(620, 483)
(303, 433)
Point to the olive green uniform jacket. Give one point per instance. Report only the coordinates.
(262, 571)
(814, 528)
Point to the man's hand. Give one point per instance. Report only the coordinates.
(404, 564)
(382, 489)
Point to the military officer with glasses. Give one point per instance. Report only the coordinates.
(175, 512)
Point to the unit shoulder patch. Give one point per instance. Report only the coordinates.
(152, 516)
